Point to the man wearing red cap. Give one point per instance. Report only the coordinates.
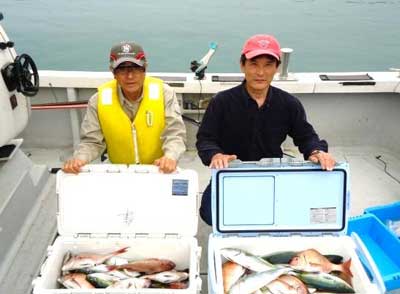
(250, 121)
(136, 117)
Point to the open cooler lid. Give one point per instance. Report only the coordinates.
(117, 199)
(279, 197)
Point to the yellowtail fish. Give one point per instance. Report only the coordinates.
(101, 268)
(75, 281)
(148, 266)
(84, 260)
(246, 259)
(101, 280)
(311, 260)
(251, 283)
(324, 282)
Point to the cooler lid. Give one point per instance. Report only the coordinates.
(117, 199)
(280, 198)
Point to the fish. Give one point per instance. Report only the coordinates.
(278, 286)
(84, 260)
(173, 285)
(102, 280)
(246, 259)
(75, 281)
(311, 260)
(167, 277)
(324, 282)
(231, 272)
(254, 281)
(101, 268)
(131, 283)
(282, 257)
(148, 266)
(343, 276)
(116, 260)
(130, 274)
(296, 283)
(178, 285)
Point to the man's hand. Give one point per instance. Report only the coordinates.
(74, 165)
(325, 159)
(220, 160)
(166, 165)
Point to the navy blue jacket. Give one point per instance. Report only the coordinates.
(233, 124)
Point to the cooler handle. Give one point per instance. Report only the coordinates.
(370, 263)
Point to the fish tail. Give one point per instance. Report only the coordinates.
(346, 267)
(119, 251)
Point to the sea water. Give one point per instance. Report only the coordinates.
(326, 35)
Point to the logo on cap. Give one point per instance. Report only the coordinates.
(263, 43)
(126, 48)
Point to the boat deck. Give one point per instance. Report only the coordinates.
(374, 179)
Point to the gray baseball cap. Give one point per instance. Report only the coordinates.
(127, 51)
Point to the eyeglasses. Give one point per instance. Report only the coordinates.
(125, 70)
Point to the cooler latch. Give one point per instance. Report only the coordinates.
(141, 235)
(114, 235)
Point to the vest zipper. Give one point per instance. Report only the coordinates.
(135, 144)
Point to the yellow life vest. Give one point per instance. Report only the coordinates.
(118, 130)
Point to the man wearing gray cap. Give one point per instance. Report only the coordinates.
(135, 117)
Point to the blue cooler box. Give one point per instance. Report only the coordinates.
(387, 214)
(277, 205)
(381, 252)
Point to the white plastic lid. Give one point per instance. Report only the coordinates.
(115, 199)
(284, 199)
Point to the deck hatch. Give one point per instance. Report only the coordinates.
(362, 77)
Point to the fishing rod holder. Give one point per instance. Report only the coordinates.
(284, 66)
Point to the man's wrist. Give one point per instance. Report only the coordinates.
(315, 152)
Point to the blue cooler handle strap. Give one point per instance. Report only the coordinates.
(370, 263)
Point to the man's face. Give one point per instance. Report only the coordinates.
(259, 72)
(131, 78)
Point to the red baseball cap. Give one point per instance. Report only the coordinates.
(262, 44)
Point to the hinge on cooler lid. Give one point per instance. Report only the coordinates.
(281, 234)
(113, 170)
(330, 234)
(114, 235)
(171, 236)
(82, 235)
(269, 162)
(141, 235)
(297, 162)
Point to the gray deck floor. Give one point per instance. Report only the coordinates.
(371, 184)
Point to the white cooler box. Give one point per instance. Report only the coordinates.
(108, 207)
(275, 205)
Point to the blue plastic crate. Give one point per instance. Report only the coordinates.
(383, 249)
(386, 213)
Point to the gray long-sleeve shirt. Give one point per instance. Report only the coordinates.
(92, 143)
